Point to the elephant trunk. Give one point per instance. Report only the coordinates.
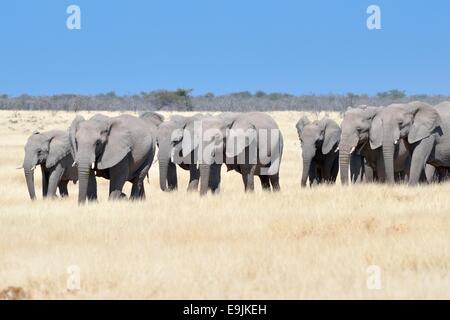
(204, 178)
(28, 168)
(344, 163)
(84, 171)
(163, 168)
(307, 158)
(388, 156)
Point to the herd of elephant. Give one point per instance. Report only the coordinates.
(123, 148)
(401, 142)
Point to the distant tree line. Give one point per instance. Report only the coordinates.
(183, 100)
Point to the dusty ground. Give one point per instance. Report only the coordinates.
(297, 244)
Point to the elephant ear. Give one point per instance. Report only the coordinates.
(117, 146)
(72, 133)
(59, 147)
(376, 132)
(332, 134)
(301, 124)
(426, 120)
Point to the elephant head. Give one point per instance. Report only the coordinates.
(46, 149)
(355, 134)
(412, 122)
(98, 143)
(319, 136)
(164, 135)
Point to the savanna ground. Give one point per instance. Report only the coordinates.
(296, 244)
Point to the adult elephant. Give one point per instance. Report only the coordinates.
(254, 146)
(169, 136)
(425, 129)
(153, 120)
(50, 150)
(201, 144)
(319, 142)
(119, 149)
(355, 151)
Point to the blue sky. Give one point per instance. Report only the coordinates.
(223, 46)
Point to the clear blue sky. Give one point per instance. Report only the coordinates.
(223, 46)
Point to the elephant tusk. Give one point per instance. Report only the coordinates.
(33, 167)
(396, 142)
(92, 165)
(74, 164)
(337, 149)
(353, 149)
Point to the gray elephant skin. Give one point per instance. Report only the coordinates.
(202, 146)
(169, 139)
(51, 151)
(424, 128)
(355, 152)
(254, 146)
(116, 148)
(319, 142)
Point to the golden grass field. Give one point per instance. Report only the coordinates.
(297, 244)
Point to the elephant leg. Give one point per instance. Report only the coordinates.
(419, 158)
(62, 186)
(172, 181)
(54, 180)
(275, 182)
(118, 176)
(92, 188)
(430, 172)
(368, 171)
(214, 178)
(194, 178)
(265, 182)
(356, 168)
(44, 181)
(334, 170)
(312, 175)
(136, 189)
(248, 176)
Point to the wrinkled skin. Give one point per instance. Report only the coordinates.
(119, 149)
(356, 153)
(255, 154)
(203, 143)
(51, 151)
(319, 141)
(167, 130)
(424, 128)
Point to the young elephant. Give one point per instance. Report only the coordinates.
(50, 150)
(168, 138)
(319, 141)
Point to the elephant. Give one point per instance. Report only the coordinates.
(153, 120)
(50, 150)
(119, 149)
(319, 142)
(202, 145)
(355, 150)
(424, 128)
(254, 146)
(168, 135)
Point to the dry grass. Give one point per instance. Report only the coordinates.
(296, 244)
